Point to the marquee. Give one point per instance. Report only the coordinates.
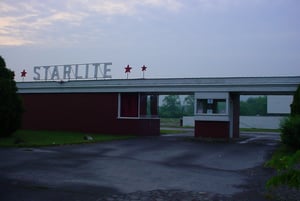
(72, 71)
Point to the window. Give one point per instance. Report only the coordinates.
(148, 105)
(211, 106)
(129, 105)
(138, 105)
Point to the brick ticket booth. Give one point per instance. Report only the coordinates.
(216, 115)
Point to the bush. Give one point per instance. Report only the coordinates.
(295, 106)
(11, 107)
(290, 132)
(286, 160)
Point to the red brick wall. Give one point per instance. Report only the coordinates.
(212, 129)
(83, 112)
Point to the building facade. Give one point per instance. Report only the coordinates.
(130, 107)
(106, 113)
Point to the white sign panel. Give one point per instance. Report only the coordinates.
(279, 104)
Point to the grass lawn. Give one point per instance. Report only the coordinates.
(25, 138)
(170, 122)
(165, 132)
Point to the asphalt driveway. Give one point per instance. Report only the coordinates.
(91, 171)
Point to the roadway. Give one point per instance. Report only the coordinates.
(92, 171)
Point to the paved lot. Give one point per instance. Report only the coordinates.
(89, 172)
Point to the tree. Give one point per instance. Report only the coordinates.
(11, 107)
(290, 127)
(189, 102)
(254, 106)
(295, 106)
(171, 107)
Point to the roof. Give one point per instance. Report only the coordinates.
(283, 85)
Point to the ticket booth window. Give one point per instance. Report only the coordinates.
(211, 106)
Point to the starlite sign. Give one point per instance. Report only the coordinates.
(72, 71)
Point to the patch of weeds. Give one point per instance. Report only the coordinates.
(25, 138)
(286, 162)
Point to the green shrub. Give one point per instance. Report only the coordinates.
(286, 160)
(290, 132)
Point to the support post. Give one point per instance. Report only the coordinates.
(235, 115)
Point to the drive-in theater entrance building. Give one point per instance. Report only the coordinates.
(130, 106)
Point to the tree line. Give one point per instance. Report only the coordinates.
(173, 108)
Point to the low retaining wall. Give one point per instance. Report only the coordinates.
(188, 121)
(266, 122)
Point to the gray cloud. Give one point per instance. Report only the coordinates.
(175, 38)
(23, 23)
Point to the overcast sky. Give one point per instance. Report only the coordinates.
(174, 38)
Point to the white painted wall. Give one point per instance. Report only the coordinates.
(188, 121)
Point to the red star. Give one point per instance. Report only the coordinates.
(144, 68)
(127, 69)
(23, 73)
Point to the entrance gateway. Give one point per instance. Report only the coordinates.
(117, 106)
